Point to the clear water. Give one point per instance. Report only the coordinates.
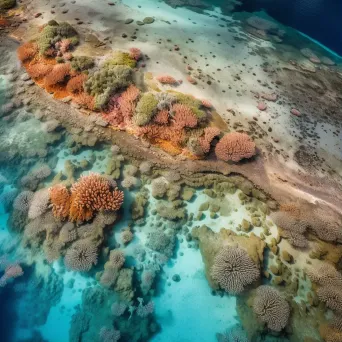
(252, 74)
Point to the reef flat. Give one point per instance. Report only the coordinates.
(164, 162)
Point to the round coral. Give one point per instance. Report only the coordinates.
(235, 146)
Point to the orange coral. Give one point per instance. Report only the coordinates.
(235, 146)
(60, 199)
(127, 101)
(27, 51)
(168, 147)
(58, 74)
(162, 117)
(166, 79)
(169, 133)
(39, 70)
(92, 193)
(75, 84)
(85, 100)
(209, 134)
(184, 117)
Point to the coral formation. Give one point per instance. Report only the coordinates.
(271, 308)
(235, 146)
(81, 256)
(233, 270)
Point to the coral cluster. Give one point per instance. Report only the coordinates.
(271, 308)
(176, 122)
(235, 146)
(92, 193)
(297, 220)
(234, 270)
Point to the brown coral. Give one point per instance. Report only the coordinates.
(60, 199)
(331, 295)
(91, 194)
(271, 308)
(233, 269)
(235, 146)
(126, 236)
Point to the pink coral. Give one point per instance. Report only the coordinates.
(64, 45)
(120, 108)
(167, 79)
(162, 117)
(135, 53)
(209, 134)
(235, 146)
(207, 104)
(183, 117)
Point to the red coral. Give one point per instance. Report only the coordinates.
(75, 84)
(209, 134)
(93, 193)
(135, 53)
(162, 117)
(60, 200)
(38, 70)
(166, 79)
(27, 51)
(235, 146)
(184, 117)
(58, 74)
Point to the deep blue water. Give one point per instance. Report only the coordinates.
(319, 19)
